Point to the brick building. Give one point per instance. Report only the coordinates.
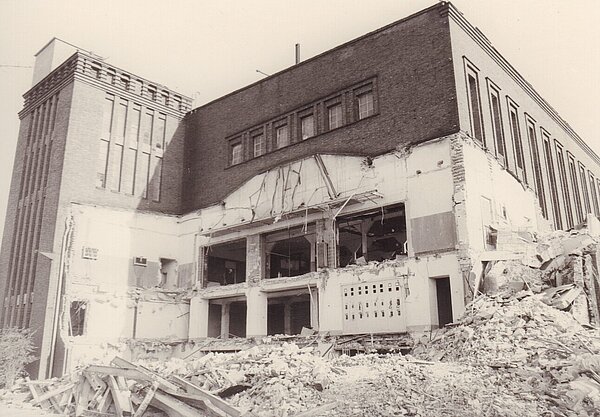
(360, 191)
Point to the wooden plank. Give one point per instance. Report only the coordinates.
(199, 402)
(36, 394)
(147, 398)
(52, 393)
(120, 397)
(117, 361)
(173, 407)
(105, 401)
(216, 401)
(126, 373)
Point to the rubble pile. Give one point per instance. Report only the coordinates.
(264, 380)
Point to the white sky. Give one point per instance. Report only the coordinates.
(207, 48)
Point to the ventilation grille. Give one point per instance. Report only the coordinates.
(89, 253)
(140, 261)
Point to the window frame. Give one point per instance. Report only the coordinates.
(517, 139)
(572, 165)
(551, 173)
(564, 182)
(233, 145)
(335, 103)
(497, 134)
(472, 70)
(536, 164)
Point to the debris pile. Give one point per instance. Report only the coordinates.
(263, 380)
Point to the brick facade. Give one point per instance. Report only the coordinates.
(416, 102)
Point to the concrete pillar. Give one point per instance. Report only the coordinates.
(225, 308)
(256, 312)
(255, 259)
(287, 318)
(198, 326)
(326, 235)
(314, 308)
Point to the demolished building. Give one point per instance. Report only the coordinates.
(365, 200)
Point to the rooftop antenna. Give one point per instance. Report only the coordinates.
(263, 73)
(297, 53)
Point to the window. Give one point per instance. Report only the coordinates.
(102, 164)
(584, 190)
(307, 124)
(258, 144)
(515, 131)
(575, 188)
(537, 167)
(107, 114)
(474, 99)
(594, 193)
(497, 129)
(282, 137)
(552, 180)
(366, 107)
(77, 318)
(334, 116)
(147, 127)
(236, 153)
(159, 133)
(564, 184)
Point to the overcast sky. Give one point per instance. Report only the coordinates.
(206, 49)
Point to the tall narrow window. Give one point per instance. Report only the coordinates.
(236, 153)
(584, 190)
(307, 124)
(141, 182)
(147, 127)
(120, 122)
(114, 171)
(155, 180)
(282, 137)
(102, 164)
(594, 194)
(515, 132)
(159, 133)
(564, 183)
(552, 180)
(537, 167)
(366, 106)
(575, 187)
(258, 144)
(474, 104)
(497, 130)
(107, 114)
(334, 116)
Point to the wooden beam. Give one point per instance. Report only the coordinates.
(173, 407)
(146, 401)
(216, 401)
(149, 375)
(52, 393)
(126, 373)
(120, 397)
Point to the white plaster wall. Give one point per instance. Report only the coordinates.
(484, 177)
(162, 320)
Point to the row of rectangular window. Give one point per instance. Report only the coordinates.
(585, 199)
(306, 121)
(126, 158)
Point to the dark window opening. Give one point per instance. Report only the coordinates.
(497, 125)
(444, 301)
(564, 185)
(77, 316)
(374, 235)
(517, 143)
(475, 106)
(553, 186)
(226, 263)
(288, 315)
(537, 168)
(291, 252)
(227, 318)
(584, 190)
(575, 187)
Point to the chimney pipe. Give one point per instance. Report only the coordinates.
(297, 53)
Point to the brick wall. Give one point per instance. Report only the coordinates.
(412, 63)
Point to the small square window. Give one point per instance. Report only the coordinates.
(282, 137)
(307, 124)
(258, 144)
(334, 114)
(366, 106)
(236, 153)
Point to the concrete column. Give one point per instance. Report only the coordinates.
(225, 307)
(255, 259)
(326, 234)
(256, 312)
(287, 318)
(314, 308)
(198, 326)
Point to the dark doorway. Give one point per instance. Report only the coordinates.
(288, 314)
(444, 301)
